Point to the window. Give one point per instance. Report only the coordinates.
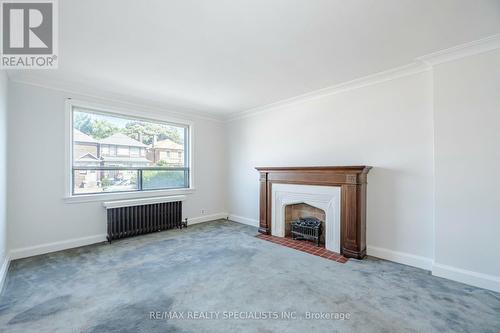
(123, 151)
(126, 159)
(134, 152)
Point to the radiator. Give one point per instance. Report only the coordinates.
(137, 220)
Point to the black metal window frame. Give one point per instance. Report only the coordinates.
(140, 170)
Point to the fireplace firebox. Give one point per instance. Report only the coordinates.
(306, 228)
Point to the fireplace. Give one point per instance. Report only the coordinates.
(339, 191)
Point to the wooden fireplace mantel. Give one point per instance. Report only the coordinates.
(351, 180)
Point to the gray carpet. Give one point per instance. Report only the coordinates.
(221, 268)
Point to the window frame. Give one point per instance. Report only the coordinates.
(138, 113)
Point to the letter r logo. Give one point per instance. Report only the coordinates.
(27, 27)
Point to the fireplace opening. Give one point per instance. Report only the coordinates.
(296, 212)
(307, 228)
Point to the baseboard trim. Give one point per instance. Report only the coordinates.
(472, 278)
(207, 218)
(30, 251)
(244, 220)
(400, 257)
(3, 271)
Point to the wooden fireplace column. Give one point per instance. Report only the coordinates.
(352, 181)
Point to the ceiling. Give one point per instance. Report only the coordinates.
(221, 57)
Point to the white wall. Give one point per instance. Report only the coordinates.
(386, 125)
(467, 127)
(3, 174)
(38, 216)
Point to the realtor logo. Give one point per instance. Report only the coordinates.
(29, 34)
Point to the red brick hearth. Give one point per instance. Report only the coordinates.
(304, 246)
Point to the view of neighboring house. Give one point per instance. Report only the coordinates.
(172, 153)
(85, 153)
(121, 150)
(84, 147)
(118, 150)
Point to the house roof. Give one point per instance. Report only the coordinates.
(121, 139)
(168, 144)
(88, 157)
(79, 136)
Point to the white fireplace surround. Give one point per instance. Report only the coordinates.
(326, 198)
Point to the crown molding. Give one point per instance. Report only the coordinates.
(420, 64)
(84, 91)
(392, 74)
(461, 51)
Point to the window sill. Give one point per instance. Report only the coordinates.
(126, 195)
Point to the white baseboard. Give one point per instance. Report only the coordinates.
(472, 278)
(244, 220)
(400, 257)
(3, 271)
(30, 251)
(207, 218)
(77, 242)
